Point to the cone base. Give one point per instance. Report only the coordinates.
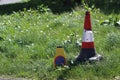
(97, 57)
(85, 54)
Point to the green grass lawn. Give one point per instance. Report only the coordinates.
(28, 40)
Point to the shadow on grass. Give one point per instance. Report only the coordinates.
(55, 6)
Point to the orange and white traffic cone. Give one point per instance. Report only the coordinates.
(88, 51)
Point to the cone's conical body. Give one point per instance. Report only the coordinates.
(87, 22)
(87, 50)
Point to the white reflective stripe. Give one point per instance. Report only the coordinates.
(87, 36)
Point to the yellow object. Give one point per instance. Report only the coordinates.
(60, 52)
(60, 59)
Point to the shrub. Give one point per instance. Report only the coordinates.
(107, 6)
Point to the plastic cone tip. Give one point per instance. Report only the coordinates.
(87, 22)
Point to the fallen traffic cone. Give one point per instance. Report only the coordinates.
(88, 51)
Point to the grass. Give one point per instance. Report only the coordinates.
(28, 40)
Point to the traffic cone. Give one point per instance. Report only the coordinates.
(88, 51)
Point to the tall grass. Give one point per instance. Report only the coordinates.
(28, 40)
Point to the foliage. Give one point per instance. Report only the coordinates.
(112, 41)
(28, 40)
(107, 6)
